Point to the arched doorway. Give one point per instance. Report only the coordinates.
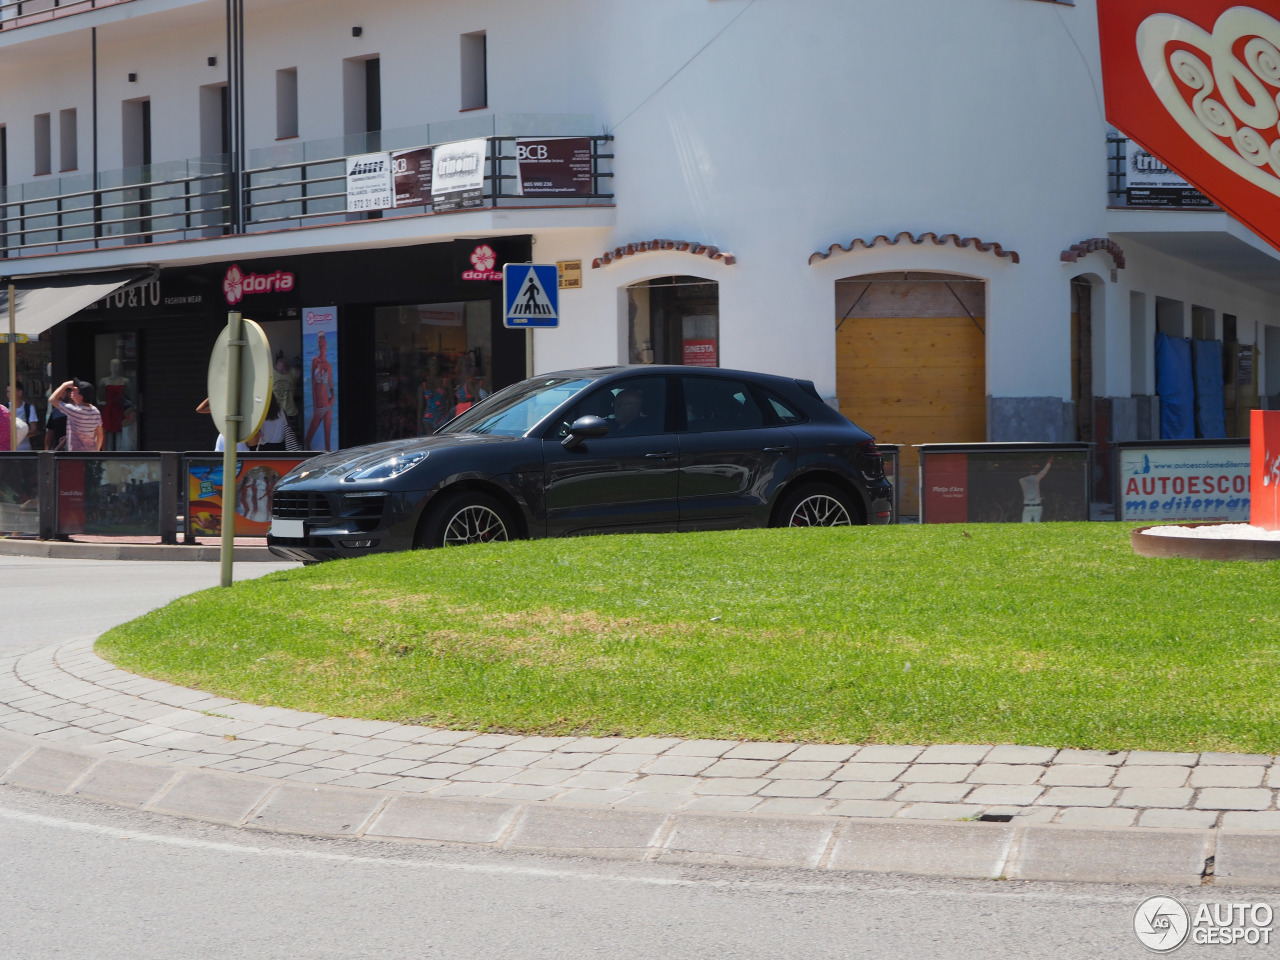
(911, 362)
(674, 320)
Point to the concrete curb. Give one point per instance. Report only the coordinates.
(926, 848)
(74, 550)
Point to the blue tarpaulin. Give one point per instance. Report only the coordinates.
(1211, 411)
(1176, 387)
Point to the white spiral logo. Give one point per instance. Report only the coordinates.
(1234, 108)
(1252, 146)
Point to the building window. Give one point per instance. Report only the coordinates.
(362, 103)
(286, 103)
(43, 149)
(4, 156)
(674, 320)
(135, 118)
(68, 150)
(475, 71)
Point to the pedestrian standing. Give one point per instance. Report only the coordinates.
(84, 420)
(26, 412)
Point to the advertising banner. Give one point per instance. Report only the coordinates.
(1195, 83)
(320, 378)
(109, 497)
(557, 167)
(1003, 484)
(699, 353)
(457, 175)
(369, 182)
(19, 495)
(256, 479)
(1149, 183)
(411, 173)
(1187, 484)
(1264, 454)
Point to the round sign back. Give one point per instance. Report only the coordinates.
(256, 378)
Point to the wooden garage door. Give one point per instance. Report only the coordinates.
(914, 379)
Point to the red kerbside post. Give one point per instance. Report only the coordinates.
(1264, 451)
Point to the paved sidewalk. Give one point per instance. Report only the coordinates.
(71, 722)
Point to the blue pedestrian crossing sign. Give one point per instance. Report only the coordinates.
(531, 295)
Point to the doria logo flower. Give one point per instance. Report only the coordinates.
(1221, 87)
(483, 258)
(233, 284)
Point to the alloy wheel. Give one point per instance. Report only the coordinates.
(819, 510)
(474, 524)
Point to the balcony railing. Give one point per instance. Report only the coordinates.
(25, 13)
(284, 187)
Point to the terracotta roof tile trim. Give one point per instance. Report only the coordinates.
(938, 240)
(1096, 244)
(653, 246)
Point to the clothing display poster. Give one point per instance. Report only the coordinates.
(320, 378)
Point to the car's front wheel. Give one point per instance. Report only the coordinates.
(817, 505)
(465, 517)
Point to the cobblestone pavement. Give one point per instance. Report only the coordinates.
(67, 696)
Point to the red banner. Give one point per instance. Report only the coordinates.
(70, 496)
(1264, 448)
(946, 488)
(1195, 83)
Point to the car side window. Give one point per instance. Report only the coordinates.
(715, 404)
(635, 407)
(784, 414)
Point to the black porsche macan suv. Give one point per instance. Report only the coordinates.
(601, 450)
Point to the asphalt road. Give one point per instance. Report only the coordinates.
(96, 882)
(45, 600)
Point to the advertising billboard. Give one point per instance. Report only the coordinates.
(256, 479)
(556, 167)
(1186, 483)
(457, 175)
(1003, 483)
(369, 183)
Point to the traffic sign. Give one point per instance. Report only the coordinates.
(530, 295)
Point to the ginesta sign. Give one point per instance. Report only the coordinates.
(237, 284)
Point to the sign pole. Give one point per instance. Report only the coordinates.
(13, 369)
(231, 437)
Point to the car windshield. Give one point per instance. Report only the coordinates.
(514, 411)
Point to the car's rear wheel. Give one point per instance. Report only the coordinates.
(817, 505)
(465, 517)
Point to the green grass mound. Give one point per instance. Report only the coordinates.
(1053, 634)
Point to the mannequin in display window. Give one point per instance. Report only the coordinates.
(117, 410)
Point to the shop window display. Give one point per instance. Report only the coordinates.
(432, 361)
(674, 320)
(116, 377)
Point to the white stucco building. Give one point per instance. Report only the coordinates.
(912, 204)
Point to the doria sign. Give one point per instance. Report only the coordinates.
(1186, 484)
(1195, 82)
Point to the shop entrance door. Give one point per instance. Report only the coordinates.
(911, 363)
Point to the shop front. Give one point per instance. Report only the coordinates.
(367, 345)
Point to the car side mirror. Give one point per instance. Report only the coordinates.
(585, 428)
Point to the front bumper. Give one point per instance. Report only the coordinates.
(335, 524)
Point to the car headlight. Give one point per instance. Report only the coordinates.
(391, 467)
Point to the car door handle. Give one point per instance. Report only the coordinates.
(665, 455)
(777, 449)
